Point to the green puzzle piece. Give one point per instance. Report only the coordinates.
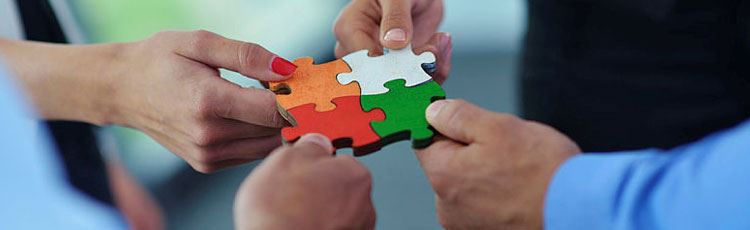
(404, 109)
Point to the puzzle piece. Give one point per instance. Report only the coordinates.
(314, 84)
(346, 126)
(404, 109)
(373, 72)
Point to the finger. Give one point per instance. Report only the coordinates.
(230, 129)
(396, 24)
(441, 45)
(246, 149)
(357, 41)
(249, 59)
(438, 155)
(357, 29)
(249, 105)
(312, 145)
(459, 120)
(222, 130)
(426, 17)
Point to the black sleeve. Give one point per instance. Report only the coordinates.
(76, 142)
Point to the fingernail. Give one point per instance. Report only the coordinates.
(446, 40)
(434, 109)
(317, 139)
(395, 35)
(282, 66)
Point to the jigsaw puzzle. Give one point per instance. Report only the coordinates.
(373, 72)
(314, 84)
(360, 101)
(406, 105)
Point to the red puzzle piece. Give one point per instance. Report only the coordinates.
(346, 126)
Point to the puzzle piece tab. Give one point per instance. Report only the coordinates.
(404, 109)
(373, 72)
(346, 126)
(314, 84)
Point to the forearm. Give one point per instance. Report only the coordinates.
(65, 82)
(700, 185)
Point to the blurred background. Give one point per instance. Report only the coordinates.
(486, 36)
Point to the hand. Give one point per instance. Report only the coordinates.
(492, 170)
(133, 200)
(169, 87)
(304, 187)
(393, 24)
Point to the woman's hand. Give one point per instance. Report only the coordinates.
(167, 86)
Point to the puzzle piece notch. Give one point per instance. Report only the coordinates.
(373, 72)
(404, 109)
(345, 126)
(316, 84)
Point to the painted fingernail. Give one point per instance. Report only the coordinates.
(317, 139)
(434, 109)
(282, 66)
(395, 35)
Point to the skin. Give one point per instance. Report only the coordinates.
(167, 86)
(137, 206)
(491, 170)
(304, 186)
(365, 24)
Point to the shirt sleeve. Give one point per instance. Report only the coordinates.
(34, 193)
(703, 185)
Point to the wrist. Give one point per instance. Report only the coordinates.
(111, 68)
(65, 82)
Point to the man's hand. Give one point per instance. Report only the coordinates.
(393, 24)
(492, 170)
(304, 187)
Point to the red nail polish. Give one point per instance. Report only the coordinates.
(282, 66)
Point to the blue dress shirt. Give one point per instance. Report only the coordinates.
(35, 193)
(703, 185)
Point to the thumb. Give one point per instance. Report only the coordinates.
(396, 24)
(249, 59)
(459, 120)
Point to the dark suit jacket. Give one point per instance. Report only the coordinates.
(628, 74)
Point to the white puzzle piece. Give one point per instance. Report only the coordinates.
(373, 72)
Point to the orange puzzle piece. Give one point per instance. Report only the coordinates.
(346, 126)
(314, 84)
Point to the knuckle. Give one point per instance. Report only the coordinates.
(207, 136)
(272, 117)
(202, 36)
(195, 43)
(249, 55)
(206, 103)
(505, 122)
(204, 168)
(205, 156)
(445, 185)
(396, 18)
(356, 171)
(458, 113)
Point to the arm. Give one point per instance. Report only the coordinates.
(698, 186)
(65, 82)
(167, 86)
(496, 171)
